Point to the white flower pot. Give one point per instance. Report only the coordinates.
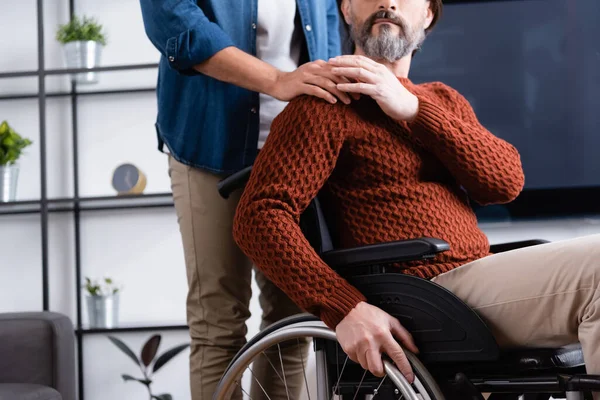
(83, 54)
(103, 311)
(9, 175)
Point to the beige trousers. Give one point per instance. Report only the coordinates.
(541, 296)
(219, 291)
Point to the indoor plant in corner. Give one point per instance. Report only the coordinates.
(148, 362)
(82, 40)
(11, 148)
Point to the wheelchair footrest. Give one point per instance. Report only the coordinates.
(574, 383)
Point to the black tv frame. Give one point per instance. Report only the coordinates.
(546, 203)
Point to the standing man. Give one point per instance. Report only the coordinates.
(227, 68)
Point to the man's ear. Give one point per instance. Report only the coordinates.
(428, 15)
(346, 11)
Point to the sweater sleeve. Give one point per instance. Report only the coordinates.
(488, 167)
(296, 160)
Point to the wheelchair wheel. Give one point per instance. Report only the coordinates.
(327, 381)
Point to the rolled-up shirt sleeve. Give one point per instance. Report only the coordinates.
(181, 32)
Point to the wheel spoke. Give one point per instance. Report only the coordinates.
(303, 370)
(246, 393)
(272, 366)
(287, 392)
(337, 364)
(376, 392)
(261, 386)
(337, 385)
(359, 384)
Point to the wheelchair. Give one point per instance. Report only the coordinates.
(459, 358)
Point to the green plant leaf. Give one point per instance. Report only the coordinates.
(149, 350)
(167, 355)
(8, 142)
(81, 30)
(126, 378)
(11, 144)
(123, 347)
(164, 396)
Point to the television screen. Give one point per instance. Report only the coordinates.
(531, 71)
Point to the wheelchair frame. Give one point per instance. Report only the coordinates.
(457, 350)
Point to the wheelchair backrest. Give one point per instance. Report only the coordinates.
(315, 228)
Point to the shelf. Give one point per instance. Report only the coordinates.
(100, 203)
(133, 328)
(109, 91)
(65, 71)
(20, 207)
(126, 202)
(86, 93)
(19, 96)
(18, 74)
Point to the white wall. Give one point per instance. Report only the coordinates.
(140, 249)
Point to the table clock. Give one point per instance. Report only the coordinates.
(128, 179)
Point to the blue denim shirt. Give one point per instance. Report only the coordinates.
(204, 122)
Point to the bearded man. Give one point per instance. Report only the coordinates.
(403, 162)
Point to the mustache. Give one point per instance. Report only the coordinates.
(393, 18)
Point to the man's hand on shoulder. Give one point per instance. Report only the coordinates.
(313, 78)
(376, 80)
(367, 331)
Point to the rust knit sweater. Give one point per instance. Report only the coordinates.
(385, 180)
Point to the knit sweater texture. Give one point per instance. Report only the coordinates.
(385, 180)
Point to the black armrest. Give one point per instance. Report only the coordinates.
(501, 247)
(384, 253)
(234, 182)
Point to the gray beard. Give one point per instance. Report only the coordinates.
(387, 46)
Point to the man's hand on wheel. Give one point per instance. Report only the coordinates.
(367, 332)
(313, 78)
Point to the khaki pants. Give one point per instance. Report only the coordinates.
(541, 296)
(219, 279)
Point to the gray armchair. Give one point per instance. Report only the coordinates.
(37, 356)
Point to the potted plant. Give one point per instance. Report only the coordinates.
(148, 363)
(102, 303)
(11, 148)
(82, 40)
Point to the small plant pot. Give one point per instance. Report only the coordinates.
(83, 54)
(9, 175)
(103, 311)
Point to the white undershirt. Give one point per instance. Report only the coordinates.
(277, 45)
